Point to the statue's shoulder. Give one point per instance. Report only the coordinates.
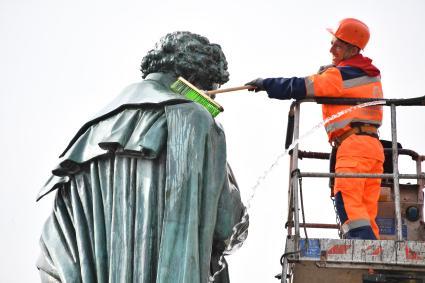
(194, 116)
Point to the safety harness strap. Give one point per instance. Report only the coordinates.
(364, 129)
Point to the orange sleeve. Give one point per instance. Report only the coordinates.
(329, 84)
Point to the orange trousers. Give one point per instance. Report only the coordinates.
(360, 154)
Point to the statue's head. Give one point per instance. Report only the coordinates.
(188, 55)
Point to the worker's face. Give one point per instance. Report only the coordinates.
(340, 51)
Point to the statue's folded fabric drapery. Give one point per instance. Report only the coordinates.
(144, 194)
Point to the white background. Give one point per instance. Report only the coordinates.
(62, 61)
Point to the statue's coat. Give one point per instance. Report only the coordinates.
(144, 193)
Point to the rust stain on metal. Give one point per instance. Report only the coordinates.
(323, 255)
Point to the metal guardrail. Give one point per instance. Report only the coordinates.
(361, 175)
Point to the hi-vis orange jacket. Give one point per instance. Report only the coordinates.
(362, 81)
(330, 83)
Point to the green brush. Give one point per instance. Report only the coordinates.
(183, 87)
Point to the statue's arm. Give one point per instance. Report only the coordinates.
(230, 210)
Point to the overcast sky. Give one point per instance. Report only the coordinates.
(62, 61)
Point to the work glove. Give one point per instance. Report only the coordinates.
(257, 83)
(324, 68)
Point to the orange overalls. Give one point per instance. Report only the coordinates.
(356, 198)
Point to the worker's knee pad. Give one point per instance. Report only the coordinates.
(363, 232)
(340, 209)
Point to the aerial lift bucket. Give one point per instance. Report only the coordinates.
(400, 254)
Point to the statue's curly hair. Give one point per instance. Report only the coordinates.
(189, 55)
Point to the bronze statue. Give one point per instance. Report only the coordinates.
(143, 191)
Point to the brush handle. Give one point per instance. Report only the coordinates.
(211, 92)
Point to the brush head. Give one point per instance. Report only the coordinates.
(183, 87)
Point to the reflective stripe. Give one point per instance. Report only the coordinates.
(353, 224)
(309, 86)
(360, 81)
(337, 125)
(342, 123)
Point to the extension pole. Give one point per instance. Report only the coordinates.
(221, 90)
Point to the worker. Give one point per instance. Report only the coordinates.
(354, 134)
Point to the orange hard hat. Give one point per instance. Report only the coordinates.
(352, 31)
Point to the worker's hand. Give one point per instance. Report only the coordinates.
(257, 84)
